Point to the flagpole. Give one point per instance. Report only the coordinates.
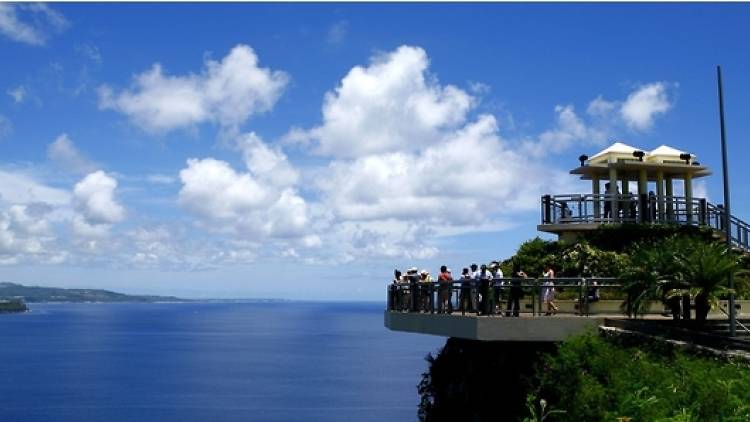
(727, 209)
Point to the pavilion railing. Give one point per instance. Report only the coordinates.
(633, 208)
(494, 297)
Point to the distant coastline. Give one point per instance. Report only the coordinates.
(37, 294)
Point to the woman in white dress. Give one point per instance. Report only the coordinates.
(548, 291)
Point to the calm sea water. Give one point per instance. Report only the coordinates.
(208, 362)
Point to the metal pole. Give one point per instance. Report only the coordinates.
(727, 209)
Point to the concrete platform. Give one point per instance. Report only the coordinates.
(494, 328)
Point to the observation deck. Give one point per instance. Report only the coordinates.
(639, 187)
(583, 304)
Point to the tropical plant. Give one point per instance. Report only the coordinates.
(706, 268)
(653, 275)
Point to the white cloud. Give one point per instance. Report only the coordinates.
(600, 107)
(20, 188)
(337, 32)
(40, 21)
(26, 234)
(64, 153)
(260, 203)
(644, 104)
(569, 130)
(468, 179)
(94, 200)
(226, 92)
(18, 94)
(267, 164)
(392, 105)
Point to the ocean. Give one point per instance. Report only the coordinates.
(286, 361)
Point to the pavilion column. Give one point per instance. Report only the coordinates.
(642, 182)
(670, 199)
(660, 194)
(613, 193)
(689, 197)
(595, 191)
(642, 195)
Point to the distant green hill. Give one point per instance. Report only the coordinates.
(32, 294)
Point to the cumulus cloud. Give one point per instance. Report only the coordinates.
(569, 130)
(471, 177)
(270, 165)
(644, 104)
(21, 233)
(64, 153)
(30, 23)
(391, 105)
(226, 92)
(94, 198)
(261, 202)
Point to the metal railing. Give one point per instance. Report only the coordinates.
(642, 209)
(506, 296)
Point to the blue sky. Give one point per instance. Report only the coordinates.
(306, 150)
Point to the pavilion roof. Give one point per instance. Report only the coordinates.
(616, 148)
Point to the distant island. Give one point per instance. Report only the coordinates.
(11, 292)
(12, 305)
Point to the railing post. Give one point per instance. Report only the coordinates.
(546, 209)
(702, 207)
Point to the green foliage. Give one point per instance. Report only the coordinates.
(584, 259)
(622, 237)
(532, 256)
(679, 265)
(595, 380)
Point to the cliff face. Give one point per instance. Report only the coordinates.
(585, 378)
(12, 305)
(479, 381)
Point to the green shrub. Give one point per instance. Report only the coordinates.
(592, 379)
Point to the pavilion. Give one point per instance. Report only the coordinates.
(639, 187)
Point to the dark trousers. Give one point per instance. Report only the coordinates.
(484, 289)
(466, 300)
(514, 301)
(445, 304)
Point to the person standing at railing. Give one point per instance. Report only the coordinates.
(394, 291)
(412, 296)
(548, 291)
(497, 281)
(652, 207)
(445, 282)
(425, 291)
(607, 202)
(516, 291)
(464, 301)
(474, 288)
(484, 276)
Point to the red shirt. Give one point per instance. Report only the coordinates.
(446, 276)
